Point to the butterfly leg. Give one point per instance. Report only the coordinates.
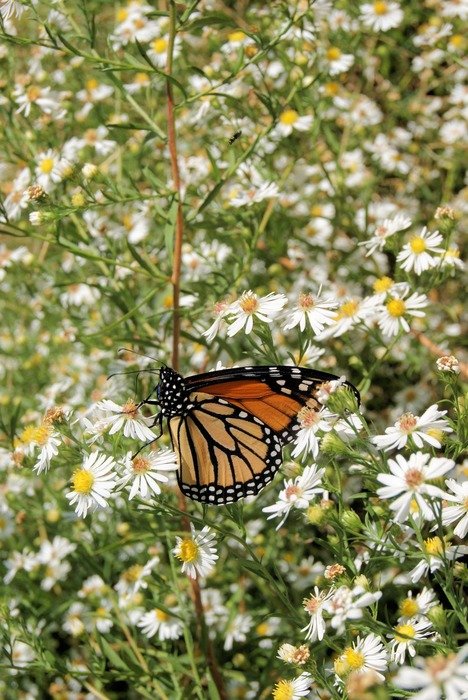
(157, 421)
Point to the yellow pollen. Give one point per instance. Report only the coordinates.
(436, 433)
(141, 78)
(159, 45)
(289, 116)
(407, 423)
(333, 53)
(133, 573)
(38, 434)
(161, 616)
(409, 607)
(235, 37)
(355, 659)
(121, 14)
(283, 690)
(456, 40)
(91, 84)
(83, 481)
(46, 165)
(382, 285)
(348, 309)
(141, 465)
(402, 632)
(130, 408)
(248, 303)
(331, 89)
(380, 8)
(316, 210)
(396, 307)
(434, 546)
(262, 629)
(418, 245)
(33, 92)
(188, 551)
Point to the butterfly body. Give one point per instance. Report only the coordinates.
(228, 427)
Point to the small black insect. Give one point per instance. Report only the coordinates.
(234, 137)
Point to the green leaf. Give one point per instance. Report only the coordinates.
(112, 656)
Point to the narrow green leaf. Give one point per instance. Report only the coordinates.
(112, 656)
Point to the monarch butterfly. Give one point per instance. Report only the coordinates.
(228, 427)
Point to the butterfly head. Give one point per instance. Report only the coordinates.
(172, 393)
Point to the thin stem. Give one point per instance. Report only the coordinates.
(176, 271)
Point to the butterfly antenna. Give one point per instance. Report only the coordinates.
(141, 354)
(133, 371)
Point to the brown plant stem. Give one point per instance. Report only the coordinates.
(175, 279)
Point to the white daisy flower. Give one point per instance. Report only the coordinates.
(293, 690)
(46, 438)
(338, 62)
(408, 484)
(93, 483)
(418, 606)
(197, 553)
(55, 551)
(296, 493)
(239, 196)
(312, 310)
(391, 319)
(383, 231)
(51, 169)
(237, 630)
(437, 677)
(416, 254)
(134, 578)
(250, 306)
(365, 654)
(404, 637)
(451, 258)
(452, 513)
(350, 313)
(347, 604)
(422, 429)
(164, 623)
(455, 8)
(128, 419)
(289, 121)
(314, 605)
(142, 473)
(311, 422)
(80, 295)
(436, 554)
(381, 15)
(157, 50)
(220, 311)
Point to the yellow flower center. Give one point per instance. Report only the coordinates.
(380, 8)
(289, 116)
(414, 507)
(465, 503)
(159, 45)
(316, 210)
(331, 89)
(46, 165)
(248, 303)
(292, 492)
(141, 465)
(452, 253)
(436, 433)
(235, 37)
(434, 546)
(91, 84)
(308, 416)
(83, 481)
(333, 53)
(188, 551)
(130, 408)
(37, 434)
(418, 245)
(100, 612)
(133, 573)
(404, 632)
(407, 423)
(161, 616)
(414, 478)
(456, 40)
(409, 607)
(348, 309)
(141, 78)
(283, 690)
(354, 659)
(33, 92)
(396, 307)
(382, 285)
(306, 302)
(121, 14)
(262, 629)
(312, 604)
